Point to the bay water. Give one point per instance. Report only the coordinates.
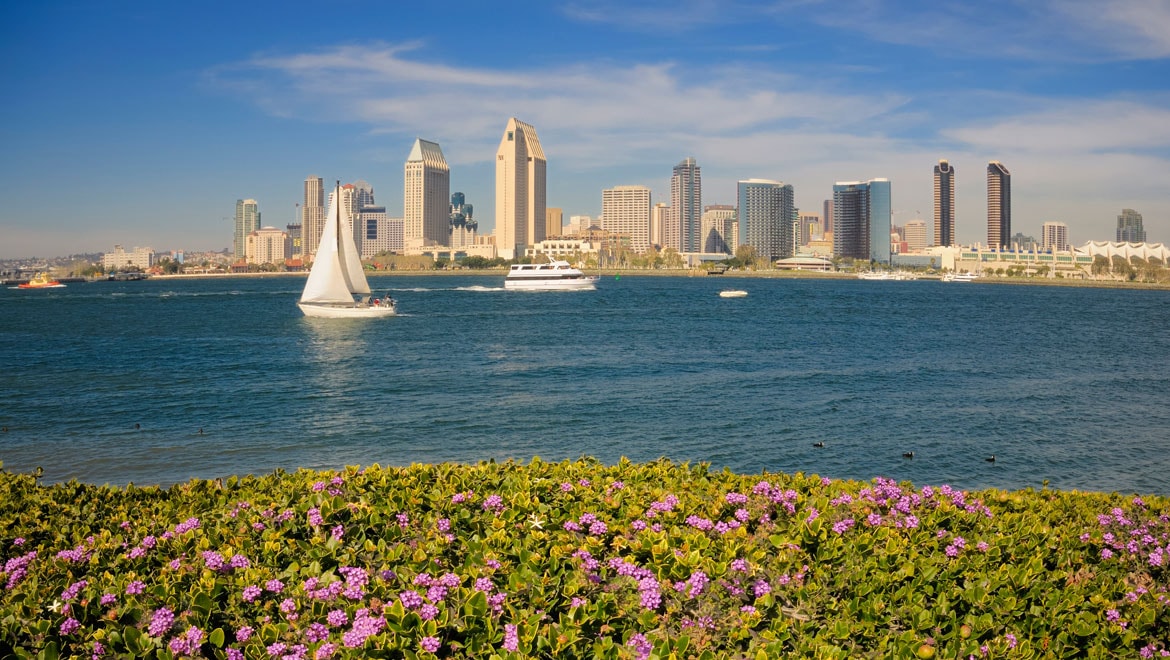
(164, 380)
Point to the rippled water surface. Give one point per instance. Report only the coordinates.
(225, 376)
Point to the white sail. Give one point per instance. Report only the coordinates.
(355, 274)
(329, 278)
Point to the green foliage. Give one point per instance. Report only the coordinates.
(577, 559)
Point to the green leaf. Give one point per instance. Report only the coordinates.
(216, 638)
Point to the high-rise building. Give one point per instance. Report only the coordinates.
(862, 214)
(363, 195)
(684, 223)
(462, 222)
(554, 220)
(944, 204)
(659, 218)
(312, 215)
(426, 196)
(1129, 227)
(827, 218)
(625, 210)
(915, 234)
(1054, 237)
(999, 206)
(247, 221)
(766, 213)
(520, 190)
(718, 225)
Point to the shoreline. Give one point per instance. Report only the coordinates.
(747, 274)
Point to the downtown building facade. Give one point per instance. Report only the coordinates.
(1054, 237)
(312, 215)
(247, 220)
(462, 224)
(426, 191)
(625, 210)
(718, 227)
(862, 215)
(944, 204)
(267, 245)
(1130, 228)
(520, 190)
(765, 216)
(999, 206)
(683, 230)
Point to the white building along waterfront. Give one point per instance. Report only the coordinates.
(625, 210)
(140, 257)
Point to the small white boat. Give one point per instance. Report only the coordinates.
(732, 293)
(337, 276)
(883, 275)
(553, 276)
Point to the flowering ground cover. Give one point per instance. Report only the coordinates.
(577, 559)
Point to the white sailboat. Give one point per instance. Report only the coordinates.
(337, 286)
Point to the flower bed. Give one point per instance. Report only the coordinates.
(577, 559)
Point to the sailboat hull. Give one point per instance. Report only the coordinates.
(356, 311)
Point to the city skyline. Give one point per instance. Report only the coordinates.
(1072, 96)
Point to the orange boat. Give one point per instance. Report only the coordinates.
(41, 281)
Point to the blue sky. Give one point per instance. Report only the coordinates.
(141, 123)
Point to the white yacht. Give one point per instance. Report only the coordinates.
(552, 276)
(959, 277)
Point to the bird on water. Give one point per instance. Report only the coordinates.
(990, 459)
(818, 443)
(907, 454)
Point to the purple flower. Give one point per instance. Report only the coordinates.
(213, 560)
(135, 587)
(511, 639)
(275, 586)
(337, 618)
(325, 651)
(239, 561)
(69, 626)
(107, 599)
(316, 632)
(761, 588)
(315, 518)
(640, 645)
(244, 634)
(493, 503)
(337, 532)
(428, 612)
(251, 593)
(430, 644)
(161, 622)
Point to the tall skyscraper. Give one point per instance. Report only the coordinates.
(1054, 237)
(766, 212)
(861, 219)
(426, 196)
(463, 224)
(684, 224)
(944, 204)
(827, 218)
(999, 205)
(312, 215)
(247, 221)
(520, 190)
(1129, 227)
(626, 210)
